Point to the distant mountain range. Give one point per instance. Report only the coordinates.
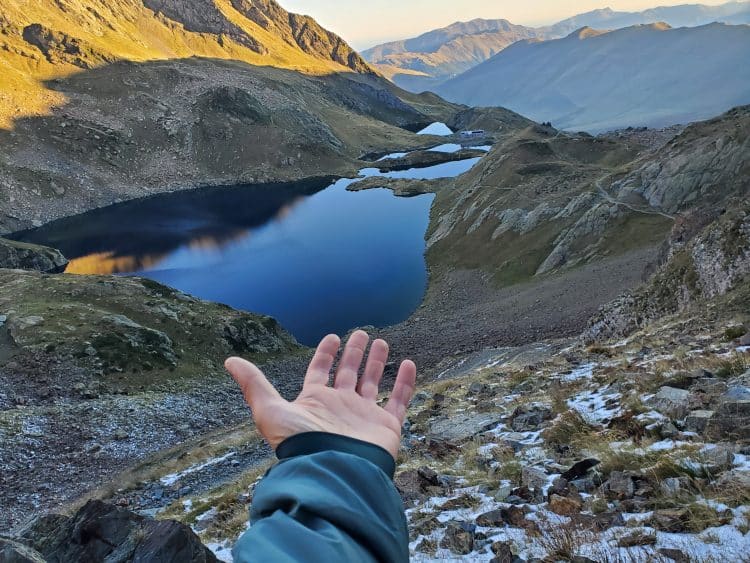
(592, 80)
(423, 62)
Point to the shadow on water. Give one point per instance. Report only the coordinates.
(317, 257)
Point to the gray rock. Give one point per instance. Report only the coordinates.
(671, 401)
(102, 532)
(534, 478)
(721, 456)
(731, 420)
(620, 485)
(460, 428)
(14, 552)
(459, 538)
(503, 492)
(530, 417)
(670, 486)
(697, 421)
(737, 393)
(22, 256)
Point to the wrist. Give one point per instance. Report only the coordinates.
(309, 443)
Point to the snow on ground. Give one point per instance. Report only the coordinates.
(436, 128)
(485, 148)
(448, 147)
(584, 371)
(172, 478)
(392, 155)
(597, 406)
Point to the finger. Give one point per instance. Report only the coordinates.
(256, 389)
(319, 369)
(368, 383)
(351, 359)
(403, 389)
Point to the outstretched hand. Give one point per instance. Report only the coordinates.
(349, 407)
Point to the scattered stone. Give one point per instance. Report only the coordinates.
(718, 457)
(533, 477)
(579, 469)
(14, 552)
(529, 417)
(461, 428)
(636, 539)
(503, 552)
(697, 421)
(674, 554)
(670, 486)
(102, 532)
(565, 506)
(671, 401)
(459, 538)
(120, 435)
(427, 546)
(620, 485)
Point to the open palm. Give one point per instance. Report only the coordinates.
(348, 408)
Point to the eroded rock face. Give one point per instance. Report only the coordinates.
(22, 256)
(715, 261)
(699, 164)
(101, 532)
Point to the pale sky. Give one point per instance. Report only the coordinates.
(364, 24)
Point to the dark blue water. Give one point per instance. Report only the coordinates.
(314, 256)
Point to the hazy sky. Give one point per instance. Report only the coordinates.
(364, 24)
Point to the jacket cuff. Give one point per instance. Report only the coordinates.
(309, 443)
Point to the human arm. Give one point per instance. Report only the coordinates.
(331, 497)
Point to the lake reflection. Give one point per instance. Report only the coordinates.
(314, 256)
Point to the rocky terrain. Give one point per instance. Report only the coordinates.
(630, 449)
(167, 96)
(98, 372)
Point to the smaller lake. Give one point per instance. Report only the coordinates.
(311, 254)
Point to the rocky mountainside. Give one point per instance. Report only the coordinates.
(421, 63)
(121, 100)
(633, 449)
(664, 85)
(424, 62)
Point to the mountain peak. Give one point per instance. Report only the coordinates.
(586, 32)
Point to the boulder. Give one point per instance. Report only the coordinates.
(503, 552)
(730, 421)
(697, 421)
(565, 506)
(100, 532)
(718, 457)
(459, 538)
(529, 417)
(620, 485)
(534, 478)
(22, 256)
(14, 552)
(671, 401)
(463, 427)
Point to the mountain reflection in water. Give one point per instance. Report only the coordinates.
(316, 257)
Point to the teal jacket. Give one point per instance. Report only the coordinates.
(329, 499)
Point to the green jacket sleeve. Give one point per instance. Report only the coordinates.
(329, 499)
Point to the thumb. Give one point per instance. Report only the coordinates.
(256, 389)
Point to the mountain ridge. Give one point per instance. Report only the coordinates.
(416, 70)
(664, 85)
